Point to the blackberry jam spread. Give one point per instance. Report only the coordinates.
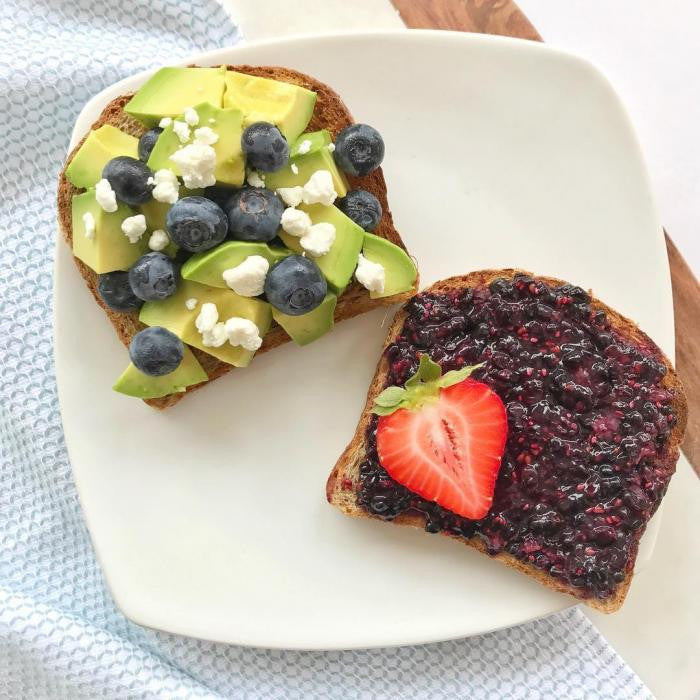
(587, 459)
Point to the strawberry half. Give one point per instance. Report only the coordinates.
(444, 440)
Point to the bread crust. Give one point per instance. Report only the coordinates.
(344, 478)
(330, 113)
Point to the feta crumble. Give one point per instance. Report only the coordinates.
(191, 116)
(295, 222)
(331, 147)
(295, 168)
(89, 223)
(319, 239)
(291, 196)
(133, 227)
(158, 240)
(208, 324)
(254, 179)
(191, 304)
(370, 275)
(166, 186)
(205, 135)
(197, 163)
(304, 147)
(248, 278)
(165, 122)
(182, 131)
(241, 331)
(104, 194)
(319, 189)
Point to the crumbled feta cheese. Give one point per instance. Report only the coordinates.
(319, 189)
(319, 239)
(304, 147)
(212, 120)
(182, 131)
(294, 168)
(206, 135)
(212, 330)
(295, 221)
(133, 227)
(291, 196)
(197, 163)
(191, 304)
(104, 194)
(248, 278)
(241, 331)
(166, 186)
(254, 179)
(89, 223)
(331, 147)
(158, 240)
(191, 116)
(165, 122)
(370, 275)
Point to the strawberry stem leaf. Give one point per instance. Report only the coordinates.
(420, 388)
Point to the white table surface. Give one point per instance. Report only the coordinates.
(650, 52)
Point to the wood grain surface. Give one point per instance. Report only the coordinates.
(504, 17)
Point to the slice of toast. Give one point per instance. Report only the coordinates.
(329, 113)
(344, 482)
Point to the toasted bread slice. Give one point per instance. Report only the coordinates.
(344, 480)
(329, 113)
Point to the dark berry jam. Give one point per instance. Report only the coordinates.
(587, 460)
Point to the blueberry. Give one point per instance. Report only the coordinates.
(129, 179)
(362, 207)
(359, 149)
(153, 276)
(147, 141)
(295, 285)
(264, 147)
(116, 292)
(254, 214)
(196, 223)
(156, 351)
(219, 194)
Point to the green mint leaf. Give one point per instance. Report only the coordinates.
(391, 396)
(457, 375)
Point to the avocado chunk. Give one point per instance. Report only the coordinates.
(400, 271)
(108, 249)
(173, 314)
(310, 143)
(208, 267)
(226, 124)
(338, 264)
(171, 90)
(306, 328)
(317, 158)
(133, 382)
(101, 145)
(286, 105)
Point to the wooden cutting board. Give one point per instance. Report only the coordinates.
(504, 17)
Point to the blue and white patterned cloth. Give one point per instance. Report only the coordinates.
(60, 633)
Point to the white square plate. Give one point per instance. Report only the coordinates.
(210, 519)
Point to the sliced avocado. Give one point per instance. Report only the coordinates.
(306, 165)
(306, 328)
(171, 313)
(109, 249)
(101, 145)
(169, 91)
(133, 382)
(286, 105)
(208, 267)
(230, 163)
(340, 261)
(400, 271)
(315, 140)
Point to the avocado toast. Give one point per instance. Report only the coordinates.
(561, 480)
(202, 361)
